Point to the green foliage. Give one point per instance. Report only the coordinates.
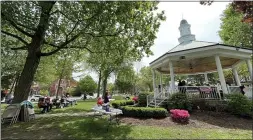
(44, 92)
(113, 29)
(142, 99)
(235, 32)
(144, 112)
(126, 79)
(239, 104)
(179, 101)
(120, 103)
(87, 85)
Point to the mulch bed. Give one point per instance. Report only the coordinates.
(198, 120)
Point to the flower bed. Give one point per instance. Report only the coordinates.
(180, 116)
(144, 112)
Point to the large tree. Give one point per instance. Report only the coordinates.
(47, 27)
(236, 33)
(126, 79)
(87, 84)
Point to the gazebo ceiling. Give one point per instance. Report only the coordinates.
(196, 65)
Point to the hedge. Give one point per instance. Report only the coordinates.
(142, 99)
(119, 103)
(239, 105)
(179, 101)
(144, 112)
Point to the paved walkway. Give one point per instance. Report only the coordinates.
(65, 114)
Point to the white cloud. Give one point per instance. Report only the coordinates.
(204, 20)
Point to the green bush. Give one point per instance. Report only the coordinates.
(179, 101)
(119, 103)
(142, 99)
(144, 112)
(239, 104)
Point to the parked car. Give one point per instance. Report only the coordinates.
(35, 98)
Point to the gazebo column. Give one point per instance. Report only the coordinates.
(154, 82)
(206, 78)
(161, 82)
(248, 61)
(221, 75)
(172, 76)
(237, 80)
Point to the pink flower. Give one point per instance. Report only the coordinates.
(180, 115)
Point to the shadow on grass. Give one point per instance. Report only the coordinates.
(95, 128)
(222, 119)
(67, 127)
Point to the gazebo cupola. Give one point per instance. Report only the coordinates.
(185, 32)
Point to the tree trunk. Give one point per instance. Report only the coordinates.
(34, 54)
(60, 78)
(104, 84)
(99, 83)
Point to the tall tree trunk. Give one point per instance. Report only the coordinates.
(60, 78)
(99, 83)
(34, 54)
(104, 84)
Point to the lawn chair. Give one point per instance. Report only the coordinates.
(11, 114)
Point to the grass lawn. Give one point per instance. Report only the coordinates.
(86, 128)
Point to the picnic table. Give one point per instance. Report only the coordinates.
(112, 113)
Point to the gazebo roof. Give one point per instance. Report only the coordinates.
(191, 45)
(198, 57)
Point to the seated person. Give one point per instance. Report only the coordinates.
(99, 101)
(106, 99)
(71, 101)
(42, 104)
(64, 101)
(49, 103)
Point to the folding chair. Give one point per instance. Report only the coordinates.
(11, 114)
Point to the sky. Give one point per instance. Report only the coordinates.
(204, 20)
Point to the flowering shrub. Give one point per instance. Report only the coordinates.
(135, 99)
(181, 116)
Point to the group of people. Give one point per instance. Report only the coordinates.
(46, 103)
(105, 99)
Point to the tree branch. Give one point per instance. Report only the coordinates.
(20, 48)
(15, 36)
(15, 25)
(62, 47)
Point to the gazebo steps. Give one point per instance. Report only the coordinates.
(158, 102)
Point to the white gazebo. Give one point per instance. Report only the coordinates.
(199, 57)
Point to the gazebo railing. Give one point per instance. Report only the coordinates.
(236, 89)
(204, 92)
(233, 89)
